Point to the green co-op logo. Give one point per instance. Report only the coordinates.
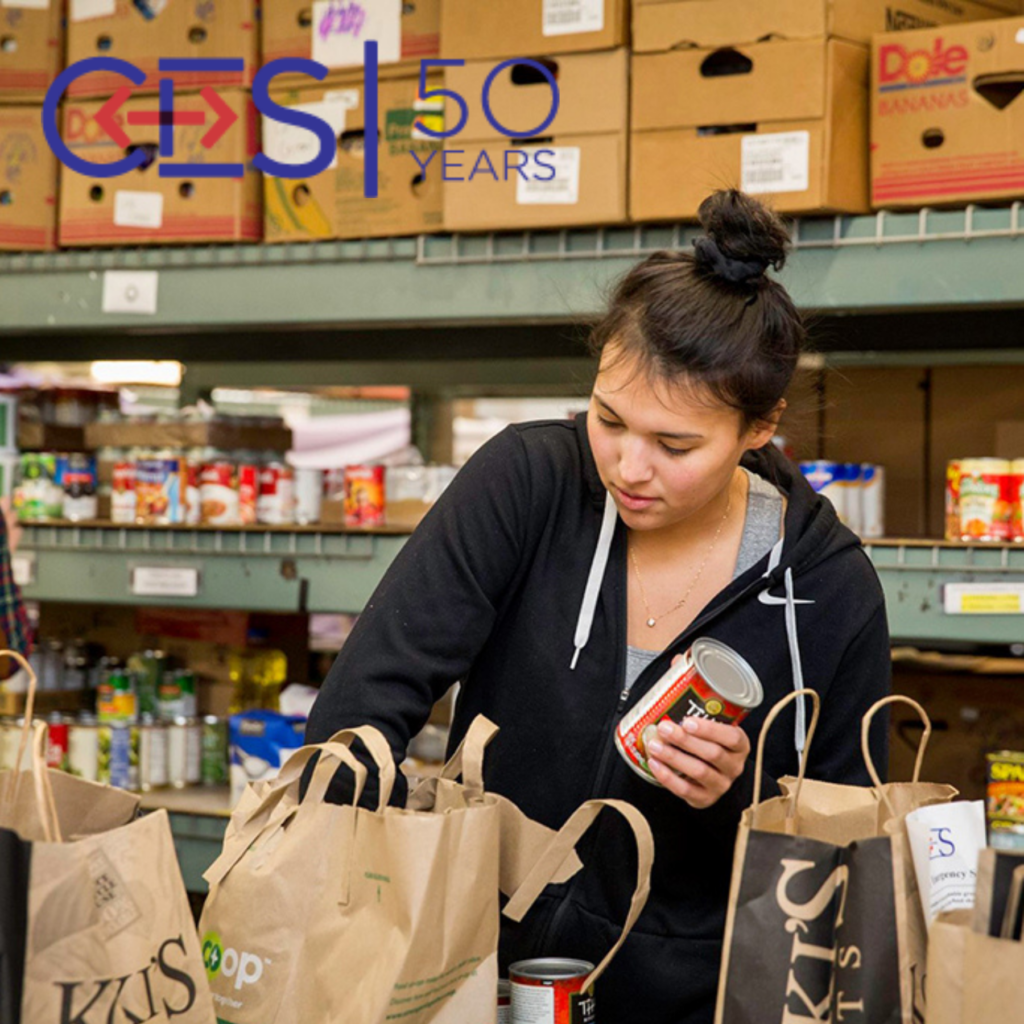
(245, 968)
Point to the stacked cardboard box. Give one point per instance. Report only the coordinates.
(947, 121)
(766, 95)
(563, 171)
(215, 123)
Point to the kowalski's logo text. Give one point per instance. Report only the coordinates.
(807, 960)
(158, 990)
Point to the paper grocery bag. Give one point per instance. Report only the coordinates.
(972, 978)
(327, 912)
(824, 916)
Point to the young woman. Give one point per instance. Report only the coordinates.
(570, 562)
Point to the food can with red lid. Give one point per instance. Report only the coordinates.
(712, 681)
(550, 991)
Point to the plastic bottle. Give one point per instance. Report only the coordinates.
(258, 674)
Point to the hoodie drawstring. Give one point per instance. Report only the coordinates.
(593, 588)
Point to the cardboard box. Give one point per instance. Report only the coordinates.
(944, 127)
(663, 25)
(333, 204)
(786, 121)
(32, 49)
(485, 29)
(223, 434)
(583, 151)
(28, 186)
(143, 207)
(406, 33)
(208, 29)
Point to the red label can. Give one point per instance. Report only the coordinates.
(275, 504)
(122, 497)
(57, 744)
(248, 491)
(364, 496)
(1017, 497)
(712, 681)
(550, 991)
(218, 494)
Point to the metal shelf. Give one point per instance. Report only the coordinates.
(885, 262)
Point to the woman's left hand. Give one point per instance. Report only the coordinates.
(699, 760)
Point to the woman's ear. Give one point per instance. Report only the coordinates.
(763, 430)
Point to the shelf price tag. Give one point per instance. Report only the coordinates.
(23, 569)
(984, 598)
(164, 581)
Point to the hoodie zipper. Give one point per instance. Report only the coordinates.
(551, 931)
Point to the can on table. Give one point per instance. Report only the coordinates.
(84, 748)
(826, 478)
(184, 752)
(550, 991)
(504, 1001)
(248, 487)
(275, 504)
(57, 741)
(214, 769)
(711, 681)
(985, 500)
(364, 496)
(121, 768)
(153, 762)
(1017, 494)
(872, 499)
(123, 500)
(219, 493)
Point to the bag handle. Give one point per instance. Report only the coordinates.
(468, 760)
(768, 723)
(33, 739)
(865, 729)
(563, 843)
(380, 750)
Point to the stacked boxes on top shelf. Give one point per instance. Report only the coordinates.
(105, 120)
(543, 171)
(766, 95)
(333, 203)
(31, 57)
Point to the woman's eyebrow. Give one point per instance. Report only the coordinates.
(660, 433)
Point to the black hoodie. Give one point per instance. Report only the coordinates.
(488, 591)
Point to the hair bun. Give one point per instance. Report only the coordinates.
(743, 238)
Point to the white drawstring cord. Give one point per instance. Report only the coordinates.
(593, 588)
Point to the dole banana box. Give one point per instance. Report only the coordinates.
(145, 31)
(28, 182)
(333, 203)
(31, 48)
(947, 116)
(141, 207)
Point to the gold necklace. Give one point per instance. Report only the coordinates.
(652, 620)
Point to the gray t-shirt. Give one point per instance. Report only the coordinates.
(761, 531)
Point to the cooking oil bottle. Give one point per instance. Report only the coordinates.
(258, 673)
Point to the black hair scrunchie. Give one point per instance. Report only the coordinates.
(710, 257)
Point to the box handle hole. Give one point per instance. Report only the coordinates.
(932, 138)
(1000, 89)
(525, 74)
(186, 190)
(96, 193)
(104, 43)
(726, 62)
(305, 18)
(353, 142)
(6, 198)
(151, 149)
(197, 35)
(9, 44)
(301, 195)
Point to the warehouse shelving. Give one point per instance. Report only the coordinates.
(883, 262)
(281, 569)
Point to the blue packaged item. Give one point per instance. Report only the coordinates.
(124, 759)
(261, 741)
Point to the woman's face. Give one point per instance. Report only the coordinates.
(664, 450)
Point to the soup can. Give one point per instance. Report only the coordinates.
(711, 681)
(248, 487)
(550, 991)
(218, 493)
(986, 503)
(123, 501)
(84, 748)
(275, 504)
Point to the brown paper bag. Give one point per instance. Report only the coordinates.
(972, 978)
(324, 912)
(824, 916)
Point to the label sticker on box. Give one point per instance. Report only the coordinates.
(86, 10)
(164, 581)
(777, 162)
(130, 291)
(430, 113)
(138, 209)
(35, 5)
(340, 27)
(983, 598)
(568, 17)
(561, 188)
(289, 144)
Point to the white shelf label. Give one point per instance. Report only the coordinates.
(559, 181)
(164, 581)
(23, 569)
(130, 291)
(569, 17)
(777, 162)
(984, 598)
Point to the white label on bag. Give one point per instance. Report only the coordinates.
(130, 291)
(340, 27)
(288, 144)
(165, 581)
(138, 209)
(983, 598)
(552, 177)
(777, 162)
(85, 10)
(568, 17)
(532, 1004)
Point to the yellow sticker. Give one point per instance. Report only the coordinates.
(982, 604)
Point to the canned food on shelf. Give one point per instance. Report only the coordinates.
(365, 500)
(84, 748)
(985, 500)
